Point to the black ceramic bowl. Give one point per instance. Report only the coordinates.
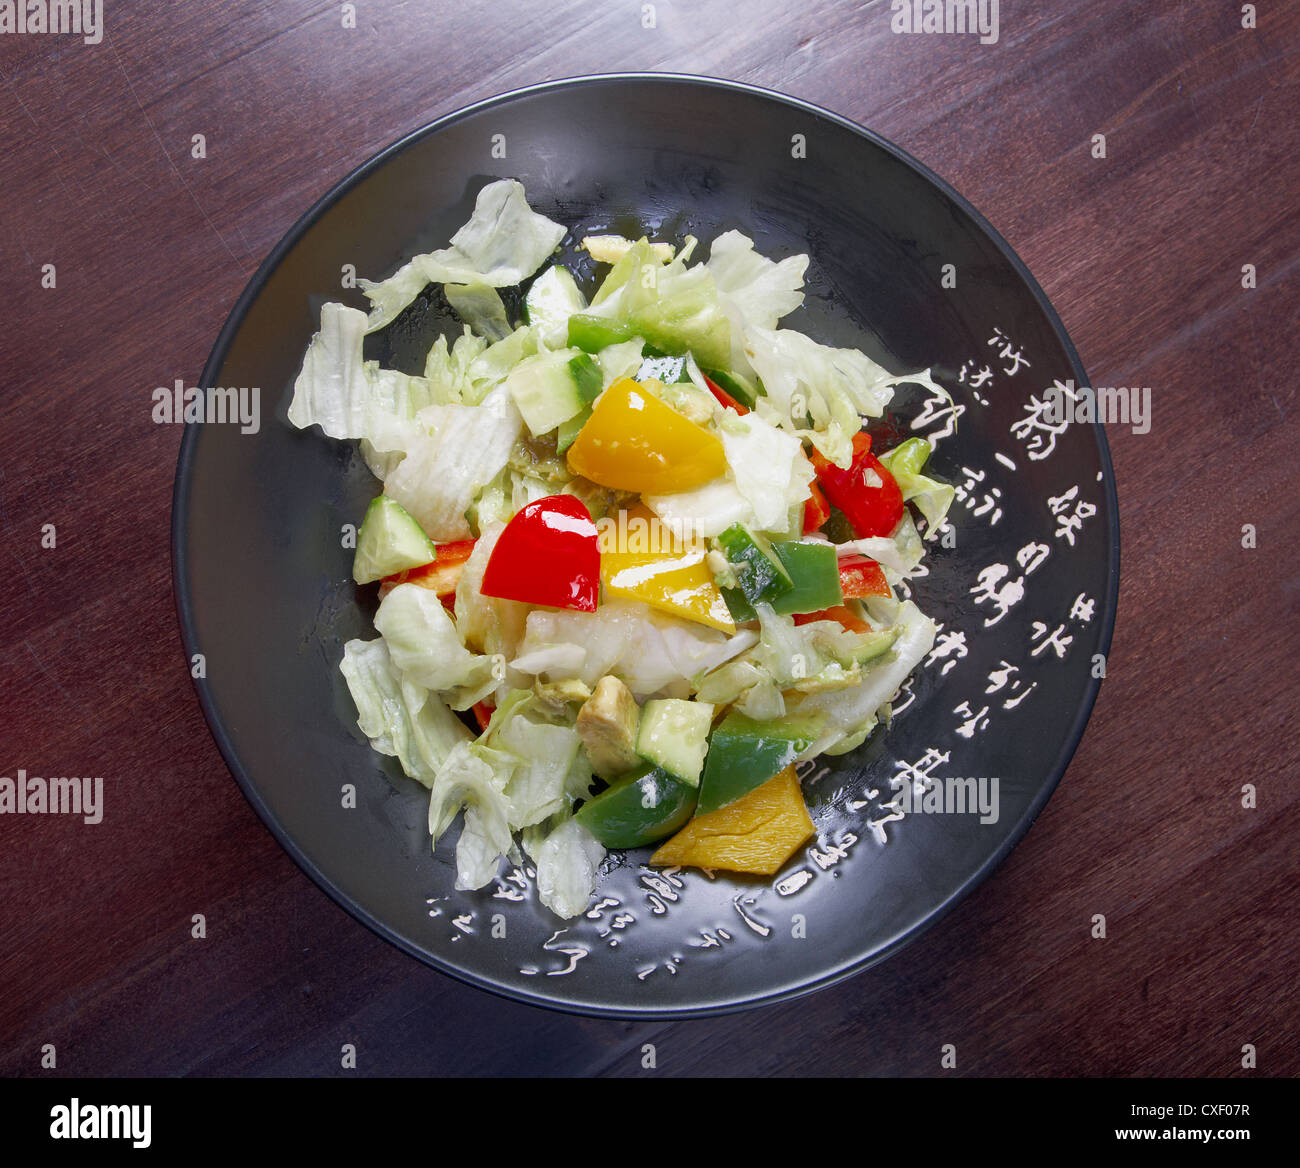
(264, 589)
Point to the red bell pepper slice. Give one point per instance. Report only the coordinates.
(840, 612)
(723, 396)
(547, 554)
(866, 492)
(816, 510)
(483, 712)
(860, 576)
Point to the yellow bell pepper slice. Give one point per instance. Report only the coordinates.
(757, 833)
(679, 583)
(634, 442)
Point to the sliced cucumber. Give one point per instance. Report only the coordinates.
(568, 430)
(674, 735)
(389, 541)
(875, 645)
(735, 385)
(552, 299)
(587, 375)
(590, 379)
(760, 573)
(546, 390)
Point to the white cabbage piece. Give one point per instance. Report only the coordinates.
(487, 624)
(846, 711)
(648, 650)
(770, 470)
(703, 511)
(767, 478)
(898, 554)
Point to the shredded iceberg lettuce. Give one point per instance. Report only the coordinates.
(426, 650)
(503, 243)
(400, 719)
(931, 497)
(568, 864)
(481, 433)
(458, 451)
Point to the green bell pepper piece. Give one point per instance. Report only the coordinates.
(593, 333)
(647, 805)
(745, 754)
(815, 573)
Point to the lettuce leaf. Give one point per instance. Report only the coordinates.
(848, 711)
(546, 753)
(484, 840)
(762, 290)
(332, 390)
(460, 450)
(931, 497)
(400, 719)
(425, 649)
(479, 305)
(468, 778)
(568, 865)
(752, 289)
(503, 243)
(807, 381)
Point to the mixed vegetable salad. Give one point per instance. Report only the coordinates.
(642, 538)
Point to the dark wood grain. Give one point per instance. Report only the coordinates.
(1141, 252)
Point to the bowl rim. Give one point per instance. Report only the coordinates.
(184, 601)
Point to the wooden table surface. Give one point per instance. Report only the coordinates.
(1141, 252)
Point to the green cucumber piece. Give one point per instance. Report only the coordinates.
(744, 754)
(638, 809)
(590, 379)
(389, 541)
(875, 645)
(674, 734)
(587, 376)
(735, 385)
(553, 298)
(545, 390)
(568, 431)
(761, 574)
